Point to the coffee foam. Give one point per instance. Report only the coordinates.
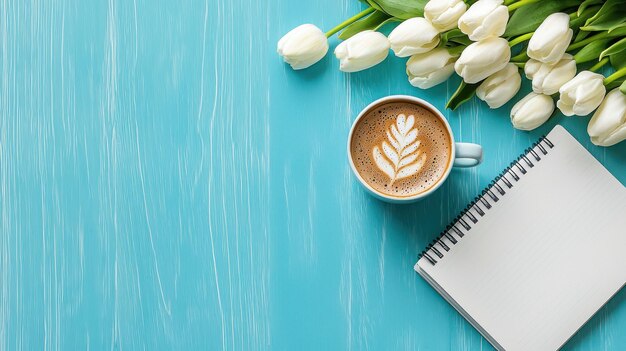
(370, 133)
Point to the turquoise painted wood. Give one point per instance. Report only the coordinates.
(167, 183)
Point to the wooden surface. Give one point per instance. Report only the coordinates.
(166, 182)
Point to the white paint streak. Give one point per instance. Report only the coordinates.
(210, 180)
(155, 260)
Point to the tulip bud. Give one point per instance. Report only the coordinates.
(547, 78)
(429, 69)
(484, 19)
(500, 87)
(551, 39)
(444, 14)
(303, 46)
(532, 111)
(362, 51)
(581, 95)
(608, 125)
(482, 59)
(413, 36)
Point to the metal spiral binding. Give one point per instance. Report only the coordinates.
(461, 224)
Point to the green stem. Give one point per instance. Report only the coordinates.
(349, 21)
(618, 74)
(519, 4)
(520, 64)
(590, 39)
(522, 57)
(521, 39)
(599, 65)
(509, 2)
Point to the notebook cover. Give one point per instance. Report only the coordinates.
(547, 255)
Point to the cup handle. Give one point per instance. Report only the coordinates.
(468, 155)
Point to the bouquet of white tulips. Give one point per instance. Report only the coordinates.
(560, 45)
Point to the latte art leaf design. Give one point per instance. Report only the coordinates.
(399, 156)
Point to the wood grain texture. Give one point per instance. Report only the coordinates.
(167, 182)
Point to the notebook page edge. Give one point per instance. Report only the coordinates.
(424, 274)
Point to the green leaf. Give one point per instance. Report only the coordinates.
(586, 4)
(610, 21)
(462, 94)
(402, 9)
(591, 51)
(387, 21)
(605, 8)
(370, 22)
(577, 22)
(453, 33)
(611, 15)
(617, 32)
(373, 4)
(622, 88)
(618, 61)
(621, 25)
(614, 49)
(464, 40)
(456, 50)
(581, 35)
(526, 19)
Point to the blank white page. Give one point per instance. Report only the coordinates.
(547, 255)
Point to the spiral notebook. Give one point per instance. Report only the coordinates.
(539, 252)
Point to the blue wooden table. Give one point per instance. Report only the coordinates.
(166, 182)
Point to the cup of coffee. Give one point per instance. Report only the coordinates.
(401, 149)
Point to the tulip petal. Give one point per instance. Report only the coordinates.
(484, 19)
(303, 46)
(444, 14)
(581, 95)
(413, 36)
(482, 59)
(613, 138)
(429, 69)
(423, 64)
(362, 51)
(433, 79)
(550, 78)
(609, 122)
(532, 111)
(493, 25)
(551, 39)
(500, 87)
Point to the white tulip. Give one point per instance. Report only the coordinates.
(413, 36)
(429, 69)
(608, 125)
(532, 111)
(303, 46)
(482, 59)
(362, 51)
(500, 87)
(581, 95)
(444, 14)
(551, 39)
(547, 78)
(484, 19)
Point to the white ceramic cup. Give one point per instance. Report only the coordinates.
(462, 155)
